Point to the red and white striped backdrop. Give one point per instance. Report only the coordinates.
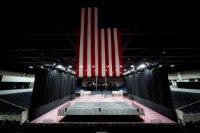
(99, 51)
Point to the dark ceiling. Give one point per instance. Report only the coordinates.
(47, 32)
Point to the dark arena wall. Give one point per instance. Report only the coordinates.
(151, 88)
(51, 89)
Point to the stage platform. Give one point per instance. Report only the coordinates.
(101, 112)
(149, 115)
(101, 108)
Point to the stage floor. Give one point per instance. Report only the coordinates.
(149, 117)
(101, 108)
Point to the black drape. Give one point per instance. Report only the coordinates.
(51, 85)
(150, 86)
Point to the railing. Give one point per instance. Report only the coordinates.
(62, 111)
(100, 111)
(139, 109)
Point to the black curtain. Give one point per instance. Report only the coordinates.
(151, 87)
(51, 85)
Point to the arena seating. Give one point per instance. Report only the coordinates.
(194, 108)
(9, 109)
(102, 127)
(12, 106)
(187, 106)
(9, 123)
(20, 99)
(183, 98)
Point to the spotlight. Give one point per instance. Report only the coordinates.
(31, 67)
(172, 65)
(73, 72)
(132, 66)
(60, 67)
(54, 64)
(42, 67)
(160, 66)
(69, 70)
(70, 66)
(142, 66)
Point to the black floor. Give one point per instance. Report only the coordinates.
(101, 118)
(100, 128)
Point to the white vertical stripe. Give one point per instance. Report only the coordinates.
(89, 43)
(116, 53)
(81, 43)
(103, 52)
(96, 39)
(109, 52)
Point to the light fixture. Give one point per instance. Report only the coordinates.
(60, 67)
(142, 66)
(73, 72)
(31, 67)
(70, 66)
(172, 65)
(54, 64)
(126, 72)
(160, 66)
(41, 67)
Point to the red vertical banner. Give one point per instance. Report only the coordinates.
(120, 52)
(85, 45)
(99, 51)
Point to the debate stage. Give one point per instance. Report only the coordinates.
(101, 108)
(102, 112)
